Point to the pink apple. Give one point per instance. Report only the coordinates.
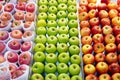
(3, 35)
(29, 16)
(27, 24)
(12, 57)
(16, 34)
(27, 34)
(20, 6)
(1, 6)
(2, 59)
(19, 15)
(16, 23)
(26, 46)
(17, 74)
(30, 7)
(12, 68)
(8, 7)
(2, 47)
(6, 16)
(4, 24)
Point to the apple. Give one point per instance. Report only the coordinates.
(72, 8)
(29, 16)
(2, 59)
(52, 31)
(14, 45)
(19, 15)
(86, 40)
(88, 59)
(52, 40)
(107, 29)
(8, 7)
(109, 38)
(1, 6)
(118, 2)
(103, 14)
(114, 68)
(113, 13)
(50, 48)
(62, 68)
(12, 68)
(72, 15)
(76, 77)
(41, 23)
(26, 46)
(73, 32)
(62, 7)
(30, 7)
(41, 31)
(117, 38)
(28, 34)
(63, 38)
(43, 8)
(116, 76)
(105, 1)
(74, 69)
(16, 34)
(97, 38)
(6, 16)
(92, 1)
(73, 24)
(38, 67)
(20, 6)
(4, 35)
(116, 30)
(105, 21)
(89, 69)
(63, 57)
(4, 24)
(87, 48)
(112, 5)
(52, 9)
(74, 40)
(61, 14)
(92, 6)
(118, 47)
(100, 57)
(52, 3)
(51, 23)
(71, 2)
(17, 74)
(63, 30)
(37, 76)
(75, 59)
(94, 21)
(51, 75)
(62, 22)
(83, 3)
(104, 77)
(39, 47)
(16, 23)
(111, 58)
(51, 58)
(84, 24)
(12, 57)
(102, 6)
(50, 16)
(102, 67)
(99, 48)
(96, 30)
(83, 16)
(82, 9)
(62, 47)
(63, 76)
(91, 77)
(111, 47)
(62, 1)
(27, 24)
(41, 39)
(93, 13)
(2, 47)
(74, 49)
(50, 68)
(116, 21)
(39, 56)
(85, 31)
(42, 2)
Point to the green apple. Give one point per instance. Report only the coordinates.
(38, 67)
(41, 31)
(62, 22)
(72, 8)
(40, 39)
(42, 15)
(52, 16)
(62, 7)
(72, 15)
(73, 32)
(39, 47)
(50, 76)
(62, 1)
(74, 40)
(75, 59)
(41, 23)
(37, 76)
(61, 14)
(51, 23)
(63, 76)
(53, 3)
(63, 38)
(76, 77)
(51, 58)
(62, 47)
(52, 9)
(74, 69)
(39, 57)
(62, 68)
(43, 8)
(50, 68)
(50, 48)
(73, 24)
(42, 2)
(52, 31)
(52, 40)
(74, 49)
(72, 2)
(63, 30)
(63, 57)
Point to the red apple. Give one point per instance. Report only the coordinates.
(16, 34)
(83, 16)
(119, 58)
(8, 7)
(2, 47)
(105, 21)
(100, 57)
(85, 31)
(98, 48)
(91, 6)
(12, 57)
(82, 9)
(96, 30)
(103, 14)
(1, 6)
(4, 35)
(113, 13)
(27, 34)
(12, 68)
(88, 59)
(30, 7)
(107, 30)
(29, 17)
(19, 15)
(118, 2)
(16, 23)
(91, 77)
(116, 30)
(118, 47)
(89, 69)
(102, 6)
(116, 76)
(20, 6)
(114, 68)
(94, 21)
(116, 21)
(118, 8)
(92, 1)
(86, 40)
(111, 58)
(109, 38)
(84, 24)
(26, 46)
(104, 77)
(4, 24)
(27, 24)
(92, 13)
(111, 47)
(2, 59)
(112, 5)
(105, 1)
(6, 16)
(97, 38)
(86, 49)
(83, 3)
(117, 38)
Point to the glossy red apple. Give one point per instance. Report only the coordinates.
(94, 21)
(96, 30)
(4, 35)
(20, 6)
(116, 30)
(99, 48)
(114, 68)
(86, 40)
(85, 31)
(111, 47)
(2, 47)
(100, 57)
(102, 6)
(116, 21)
(26, 46)
(12, 57)
(16, 34)
(105, 21)
(105, 1)
(89, 69)
(117, 38)
(19, 15)
(29, 17)
(97, 38)
(8, 7)
(30, 7)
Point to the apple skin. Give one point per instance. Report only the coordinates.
(74, 69)
(102, 67)
(84, 24)
(43, 8)
(63, 76)
(39, 56)
(85, 31)
(26, 46)
(74, 49)
(99, 48)
(14, 44)
(86, 40)
(107, 30)
(76, 77)
(116, 76)
(12, 68)
(83, 16)
(30, 7)
(12, 57)
(114, 68)
(82, 9)
(73, 32)
(29, 16)
(8, 7)
(105, 1)
(118, 58)
(51, 58)
(16, 34)
(19, 15)
(116, 30)
(50, 48)
(113, 13)
(4, 35)
(97, 38)
(51, 76)
(117, 39)
(100, 57)
(92, 13)
(112, 5)
(91, 77)
(103, 14)
(102, 6)
(50, 68)
(96, 30)
(83, 3)
(105, 21)
(37, 76)
(111, 47)
(87, 49)
(109, 38)
(118, 47)
(20, 6)
(88, 59)
(116, 21)
(91, 6)
(111, 58)
(2, 59)
(75, 59)
(104, 77)
(62, 68)
(89, 69)
(6, 16)
(94, 21)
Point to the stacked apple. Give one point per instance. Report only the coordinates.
(100, 31)
(16, 36)
(57, 44)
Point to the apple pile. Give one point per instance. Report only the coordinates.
(57, 44)
(17, 36)
(100, 32)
